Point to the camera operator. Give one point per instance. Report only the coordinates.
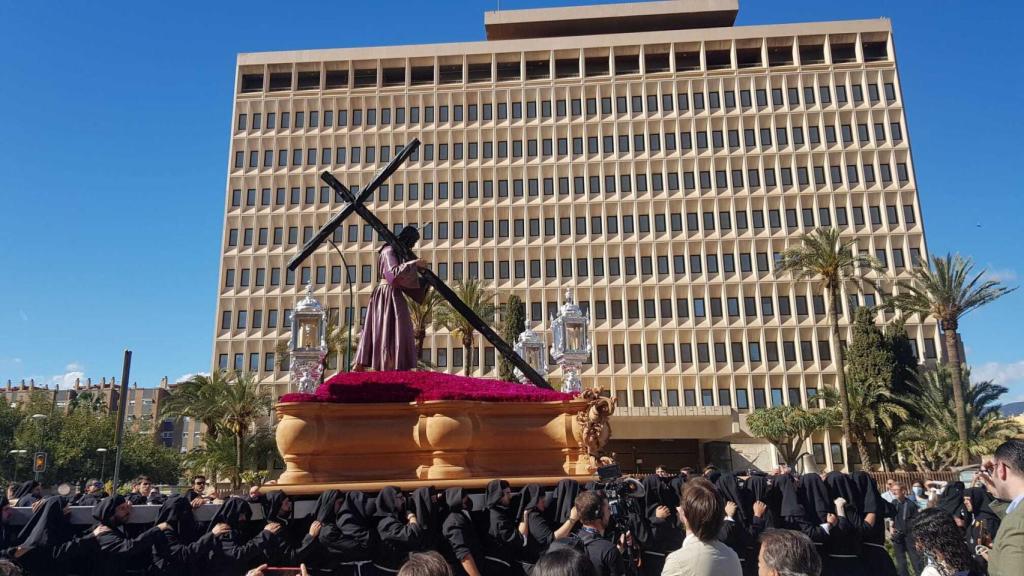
(595, 515)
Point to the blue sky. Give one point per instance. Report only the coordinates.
(114, 136)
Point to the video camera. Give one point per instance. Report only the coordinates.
(624, 494)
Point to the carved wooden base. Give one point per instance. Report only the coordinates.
(333, 444)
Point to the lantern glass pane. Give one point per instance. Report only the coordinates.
(308, 333)
(574, 335)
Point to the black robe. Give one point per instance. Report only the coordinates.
(23, 496)
(876, 557)
(291, 540)
(353, 537)
(843, 547)
(429, 518)
(311, 551)
(735, 532)
(658, 537)
(397, 536)
(52, 547)
(461, 538)
(233, 553)
(540, 524)
(565, 495)
(120, 554)
(502, 543)
(184, 549)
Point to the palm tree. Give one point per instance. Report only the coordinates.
(946, 290)
(423, 316)
(825, 257)
(243, 403)
(478, 299)
(91, 401)
(338, 344)
(873, 406)
(199, 398)
(932, 435)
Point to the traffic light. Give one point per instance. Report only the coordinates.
(39, 462)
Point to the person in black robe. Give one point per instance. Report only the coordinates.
(565, 495)
(290, 540)
(951, 501)
(463, 549)
(185, 548)
(658, 533)
(399, 531)
(350, 543)
(819, 512)
(505, 536)
(233, 553)
(91, 496)
(735, 531)
(47, 544)
(120, 554)
(429, 517)
(537, 507)
(873, 510)
(313, 552)
(28, 493)
(843, 546)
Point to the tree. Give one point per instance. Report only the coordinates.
(788, 428)
(337, 340)
(478, 299)
(946, 290)
(219, 456)
(422, 314)
(932, 437)
(825, 257)
(88, 400)
(198, 398)
(515, 324)
(243, 403)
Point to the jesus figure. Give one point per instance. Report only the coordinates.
(387, 341)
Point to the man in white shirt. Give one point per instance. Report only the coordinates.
(702, 513)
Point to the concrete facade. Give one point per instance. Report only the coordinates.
(657, 173)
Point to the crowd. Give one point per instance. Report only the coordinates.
(700, 524)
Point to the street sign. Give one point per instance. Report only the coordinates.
(39, 462)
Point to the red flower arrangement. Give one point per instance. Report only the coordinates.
(417, 386)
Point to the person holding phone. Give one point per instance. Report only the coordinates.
(1003, 477)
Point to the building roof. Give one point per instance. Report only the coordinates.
(610, 18)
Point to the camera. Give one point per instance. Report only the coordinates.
(623, 494)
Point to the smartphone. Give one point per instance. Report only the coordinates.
(281, 571)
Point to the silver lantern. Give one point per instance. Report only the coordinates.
(571, 342)
(309, 343)
(531, 348)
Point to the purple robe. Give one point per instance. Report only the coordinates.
(387, 341)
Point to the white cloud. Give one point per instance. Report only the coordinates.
(999, 372)
(1004, 275)
(184, 377)
(72, 372)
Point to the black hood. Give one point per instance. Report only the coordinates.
(324, 511)
(870, 499)
(24, 489)
(842, 486)
(177, 511)
(565, 498)
(952, 498)
(816, 501)
(387, 502)
(272, 507)
(729, 489)
(791, 505)
(495, 491)
(231, 512)
(530, 498)
(454, 498)
(47, 526)
(104, 510)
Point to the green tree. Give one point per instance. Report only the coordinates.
(788, 428)
(932, 438)
(88, 400)
(218, 457)
(823, 256)
(870, 369)
(515, 324)
(244, 402)
(422, 314)
(337, 340)
(199, 398)
(947, 289)
(478, 299)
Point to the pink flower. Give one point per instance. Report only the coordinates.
(417, 386)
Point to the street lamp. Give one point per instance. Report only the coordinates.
(103, 467)
(15, 454)
(308, 344)
(571, 346)
(39, 418)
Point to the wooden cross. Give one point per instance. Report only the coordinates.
(356, 204)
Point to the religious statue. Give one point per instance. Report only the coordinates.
(387, 341)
